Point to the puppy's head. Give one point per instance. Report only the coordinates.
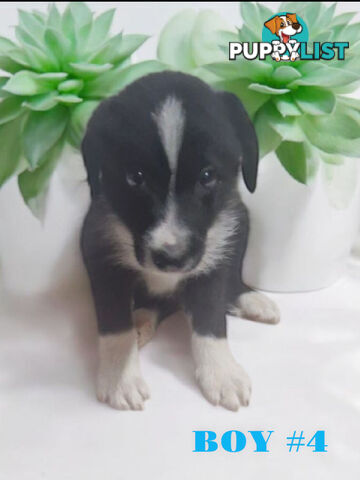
(284, 26)
(166, 154)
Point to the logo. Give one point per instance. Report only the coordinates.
(285, 38)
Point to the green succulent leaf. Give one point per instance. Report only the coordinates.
(68, 98)
(42, 102)
(90, 69)
(6, 45)
(324, 75)
(29, 83)
(268, 138)
(207, 36)
(10, 148)
(70, 86)
(100, 29)
(293, 158)
(254, 15)
(110, 83)
(343, 19)
(24, 37)
(285, 74)
(42, 131)
(230, 70)
(240, 87)
(81, 13)
(286, 105)
(315, 101)
(30, 23)
(33, 184)
(57, 44)
(80, 116)
(10, 108)
(54, 17)
(267, 89)
(174, 47)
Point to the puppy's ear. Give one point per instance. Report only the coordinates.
(271, 25)
(292, 17)
(92, 164)
(245, 131)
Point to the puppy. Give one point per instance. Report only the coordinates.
(284, 27)
(167, 231)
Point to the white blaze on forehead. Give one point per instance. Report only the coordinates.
(170, 121)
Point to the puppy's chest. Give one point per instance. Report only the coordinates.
(153, 294)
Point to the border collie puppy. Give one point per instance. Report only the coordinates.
(166, 230)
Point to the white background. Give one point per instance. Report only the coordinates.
(305, 371)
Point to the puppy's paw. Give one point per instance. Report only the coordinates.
(145, 324)
(258, 307)
(122, 392)
(229, 387)
(119, 382)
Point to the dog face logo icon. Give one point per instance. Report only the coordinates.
(285, 28)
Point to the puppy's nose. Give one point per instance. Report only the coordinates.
(296, 26)
(168, 258)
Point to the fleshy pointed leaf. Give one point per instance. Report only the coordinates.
(80, 116)
(42, 131)
(286, 105)
(100, 29)
(285, 74)
(325, 76)
(267, 89)
(174, 46)
(110, 83)
(57, 43)
(10, 108)
(90, 69)
(6, 45)
(42, 102)
(315, 101)
(68, 99)
(292, 157)
(29, 83)
(54, 17)
(10, 149)
(206, 37)
(34, 184)
(70, 86)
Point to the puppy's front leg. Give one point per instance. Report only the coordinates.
(119, 382)
(221, 379)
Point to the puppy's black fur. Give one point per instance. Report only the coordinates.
(122, 139)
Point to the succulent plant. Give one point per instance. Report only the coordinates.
(298, 108)
(55, 75)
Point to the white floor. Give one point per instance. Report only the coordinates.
(305, 373)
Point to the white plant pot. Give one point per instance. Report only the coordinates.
(37, 256)
(301, 235)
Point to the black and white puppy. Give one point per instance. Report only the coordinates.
(167, 231)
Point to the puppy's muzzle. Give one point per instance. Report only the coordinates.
(168, 258)
(296, 26)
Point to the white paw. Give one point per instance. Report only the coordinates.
(222, 380)
(120, 383)
(230, 388)
(122, 392)
(145, 324)
(256, 306)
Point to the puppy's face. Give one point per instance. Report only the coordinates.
(166, 155)
(284, 26)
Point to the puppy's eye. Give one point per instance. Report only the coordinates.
(282, 24)
(135, 178)
(208, 177)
